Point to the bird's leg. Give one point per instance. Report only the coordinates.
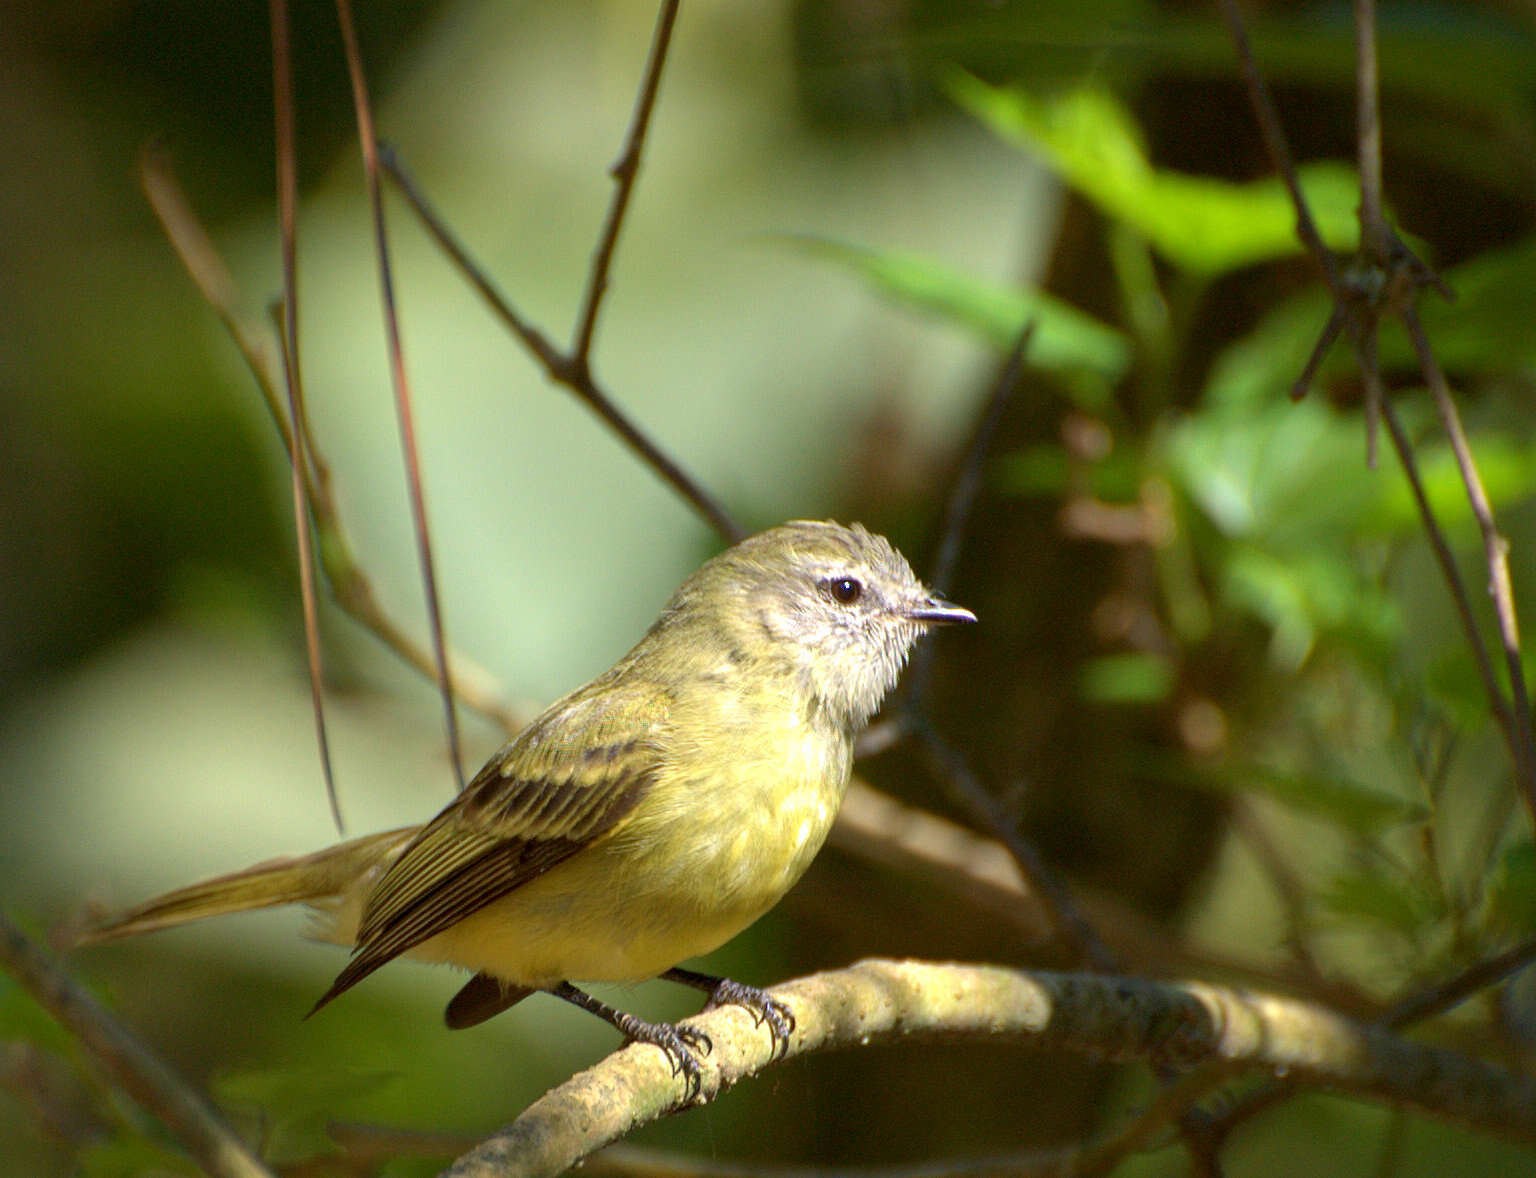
(765, 1008)
(679, 1043)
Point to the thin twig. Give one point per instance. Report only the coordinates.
(1449, 570)
(1495, 553)
(288, 334)
(1428, 1003)
(1443, 996)
(1275, 142)
(349, 584)
(962, 499)
(1067, 922)
(368, 140)
(1288, 886)
(1171, 1104)
(967, 484)
(1374, 236)
(624, 171)
(558, 366)
(132, 1066)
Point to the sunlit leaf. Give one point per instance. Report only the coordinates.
(1300, 595)
(1201, 223)
(1506, 467)
(1287, 473)
(1065, 338)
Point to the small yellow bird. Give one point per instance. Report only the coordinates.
(643, 819)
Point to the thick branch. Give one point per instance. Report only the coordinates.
(1176, 1024)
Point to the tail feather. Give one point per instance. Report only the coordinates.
(315, 878)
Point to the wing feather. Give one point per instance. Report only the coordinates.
(569, 778)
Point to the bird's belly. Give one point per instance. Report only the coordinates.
(672, 885)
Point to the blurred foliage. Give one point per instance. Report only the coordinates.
(1267, 633)
(1219, 678)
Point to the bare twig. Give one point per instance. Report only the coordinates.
(131, 1065)
(1067, 922)
(946, 762)
(1495, 553)
(1189, 1024)
(962, 498)
(624, 171)
(288, 334)
(967, 484)
(1288, 886)
(557, 365)
(1452, 574)
(349, 583)
(1374, 235)
(1275, 143)
(370, 147)
(1443, 996)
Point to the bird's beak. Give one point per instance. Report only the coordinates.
(935, 611)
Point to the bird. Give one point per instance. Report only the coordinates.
(640, 821)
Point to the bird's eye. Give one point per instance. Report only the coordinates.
(845, 590)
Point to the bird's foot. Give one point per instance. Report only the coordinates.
(681, 1045)
(766, 1009)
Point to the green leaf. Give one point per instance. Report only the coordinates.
(1344, 803)
(1131, 678)
(1394, 902)
(1512, 897)
(1506, 467)
(1489, 324)
(1451, 678)
(1300, 595)
(1065, 338)
(1281, 473)
(1200, 223)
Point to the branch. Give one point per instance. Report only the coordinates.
(1181, 1024)
(132, 1066)
(624, 172)
(349, 583)
(563, 369)
(406, 418)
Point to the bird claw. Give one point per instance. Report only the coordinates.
(764, 1007)
(679, 1045)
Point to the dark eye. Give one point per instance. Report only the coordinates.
(845, 590)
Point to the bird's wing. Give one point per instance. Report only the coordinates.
(569, 778)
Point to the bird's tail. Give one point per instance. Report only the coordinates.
(322, 878)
